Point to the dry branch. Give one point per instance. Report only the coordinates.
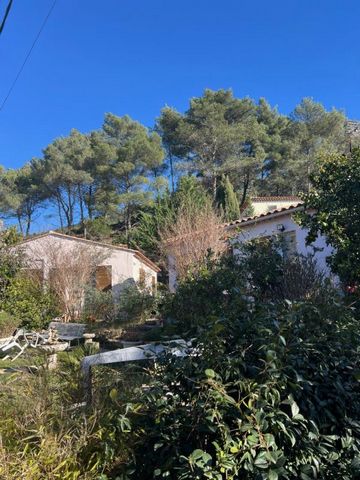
(191, 238)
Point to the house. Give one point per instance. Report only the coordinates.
(275, 222)
(114, 265)
(280, 223)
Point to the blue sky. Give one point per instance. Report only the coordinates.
(134, 56)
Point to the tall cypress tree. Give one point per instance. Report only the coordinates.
(227, 200)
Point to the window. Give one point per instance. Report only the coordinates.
(103, 278)
(153, 284)
(289, 243)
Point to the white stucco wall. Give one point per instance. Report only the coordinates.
(125, 266)
(172, 274)
(269, 227)
(265, 228)
(149, 273)
(264, 206)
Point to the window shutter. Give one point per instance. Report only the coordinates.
(153, 284)
(103, 278)
(142, 277)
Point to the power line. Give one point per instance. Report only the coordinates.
(28, 54)
(7, 11)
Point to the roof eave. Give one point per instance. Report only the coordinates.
(136, 253)
(265, 217)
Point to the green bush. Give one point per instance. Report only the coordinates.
(273, 393)
(27, 301)
(99, 305)
(135, 304)
(260, 272)
(273, 390)
(45, 431)
(10, 261)
(276, 274)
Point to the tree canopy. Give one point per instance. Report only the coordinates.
(236, 147)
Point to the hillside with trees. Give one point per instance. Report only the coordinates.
(116, 180)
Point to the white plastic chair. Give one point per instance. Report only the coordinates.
(14, 342)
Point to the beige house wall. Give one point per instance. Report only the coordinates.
(125, 267)
(264, 206)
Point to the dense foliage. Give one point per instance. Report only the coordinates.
(10, 261)
(270, 395)
(333, 211)
(23, 301)
(27, 301)
(270, 392)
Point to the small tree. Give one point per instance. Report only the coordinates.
(70, 272)
(228, 201)
(333, 206)
(192, 237)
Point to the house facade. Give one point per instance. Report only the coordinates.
(114, 265)
(278, 222)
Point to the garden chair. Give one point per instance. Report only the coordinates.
(14, 342)
(21, 340)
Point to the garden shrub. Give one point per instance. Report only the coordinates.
(10, 260)
(273, 393)
(135, 304)
(273, 273)
(23, 300)
(99, 305)
(29, 303)
(45, 431)
(259, 272)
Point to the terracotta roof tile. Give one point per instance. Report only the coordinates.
(264, 216)
(284, 198)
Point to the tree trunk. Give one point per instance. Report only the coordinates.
(81, 204)
(172, 173)
(70, 212)
(28, 224)
(60, 216)
(214, 187)
(128, 221)
(245, 189)
(20, 224)
(90, 203)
